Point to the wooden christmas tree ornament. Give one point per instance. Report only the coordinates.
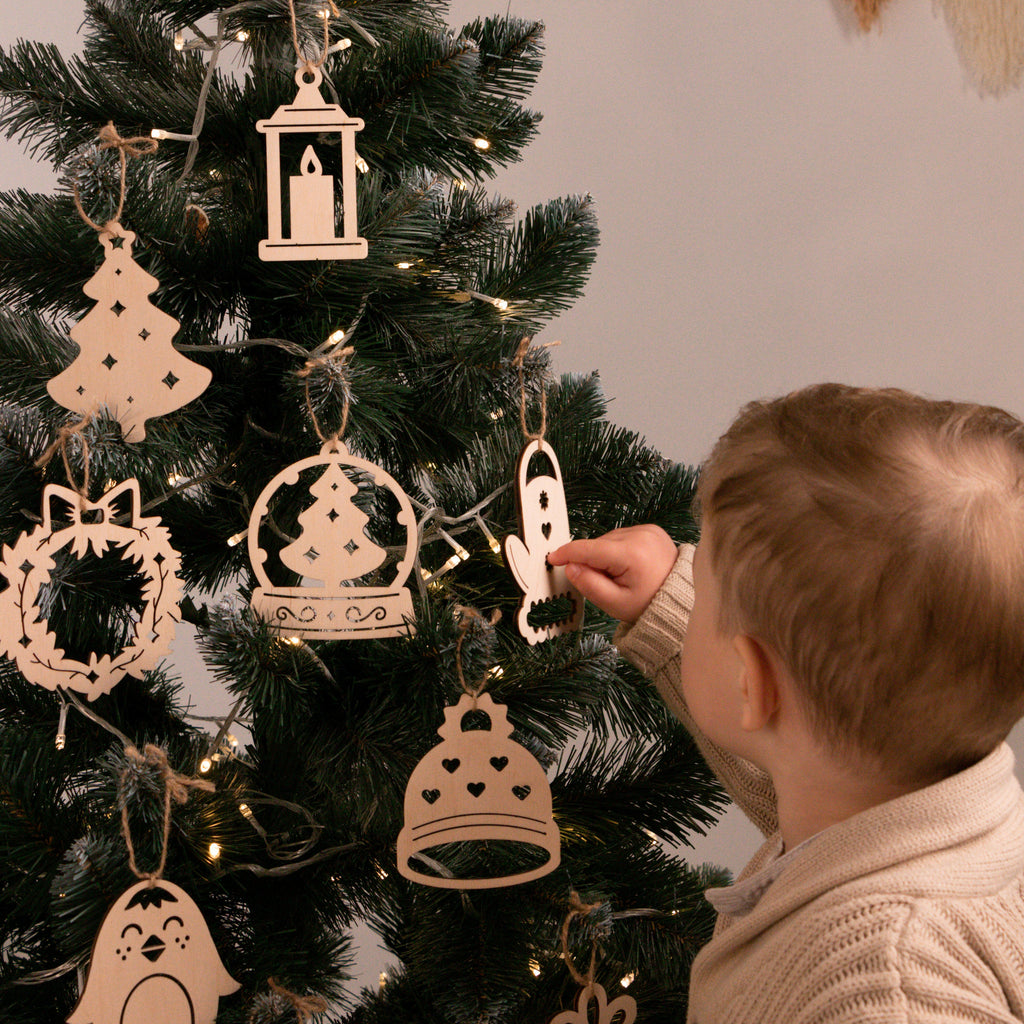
(477, 786)
(311, 201)
(126, 363)
(153, 962)
(621, 1010)
(332, 551)
(26, 566)
(543, 527)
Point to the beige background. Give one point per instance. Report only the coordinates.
(782, 200)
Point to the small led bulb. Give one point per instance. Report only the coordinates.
(205, 765)
(628, 979)
(242, 36)
(481, 144)
(179, 41)
(237, 538)
(214, 851)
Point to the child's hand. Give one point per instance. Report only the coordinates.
(620, 571)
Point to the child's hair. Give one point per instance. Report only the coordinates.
(874, 539)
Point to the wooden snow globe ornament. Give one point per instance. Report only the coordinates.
(481, 788)
(550, 605)
(332, 548)
(311, 201)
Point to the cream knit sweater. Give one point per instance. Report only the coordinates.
(909, 913)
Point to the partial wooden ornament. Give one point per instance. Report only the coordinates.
(312, 222)
(618, 1011)
(543, 527)
(988, 36)
(126, 363)
(477, 786)
(153, 962)
(331, 553)
(26, 566)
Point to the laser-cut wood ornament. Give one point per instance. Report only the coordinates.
(479, 786)
(126, 363)
(621, 1010)
(543, 527)
(312, 224)
(70, 521)
(331, 552)
(153, 962)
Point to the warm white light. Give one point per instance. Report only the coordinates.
(237, 538)
(361, 165)
(174, 479)
(460, 184)
(179, 41)
(481, 144)
(535, 968)
(496, 672)
(323, 13)
(499, 303)
(293, 641)
(383, 978)
(241, 35)
(628, 979)
(335, 337)
(61, 740)
(244, 809)
(214, 851)
(205, 765)
(403, 265)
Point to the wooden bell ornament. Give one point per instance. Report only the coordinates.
(477, 786)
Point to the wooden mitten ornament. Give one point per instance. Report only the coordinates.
(331, 552)
(153, 962)
(312, 228)
(621, 1010)
(478, 786)
(126, 363)
(544, 526)
(26, 566)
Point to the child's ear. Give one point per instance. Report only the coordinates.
(759, 681)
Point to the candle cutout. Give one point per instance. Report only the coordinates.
(311, 201)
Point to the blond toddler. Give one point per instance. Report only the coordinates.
(846, 644)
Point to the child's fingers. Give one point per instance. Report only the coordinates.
(597, 587)
(601, 553)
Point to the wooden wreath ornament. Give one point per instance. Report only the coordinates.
(126, 363)
(27, 564)
(153, 962)
(477, 786)
(332, 551)
(311, 201)
(621, 1010)
(543, 526)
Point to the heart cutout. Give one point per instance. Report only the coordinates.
(498, 763)
(522, 792)
(546, 530)
(450, 764)
(476, 788)
(430, 795)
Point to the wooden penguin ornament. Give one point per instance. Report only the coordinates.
(543, 527)
(153, 962)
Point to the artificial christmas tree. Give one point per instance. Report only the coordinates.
(297, 843)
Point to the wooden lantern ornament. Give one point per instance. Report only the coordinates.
(312, 226)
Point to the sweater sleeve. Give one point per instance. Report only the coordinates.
(654, 644)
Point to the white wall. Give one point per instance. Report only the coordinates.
(782, 200)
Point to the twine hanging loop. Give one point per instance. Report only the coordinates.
(577, 908)
(176, 790)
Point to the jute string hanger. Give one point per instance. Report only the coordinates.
(518, 361)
